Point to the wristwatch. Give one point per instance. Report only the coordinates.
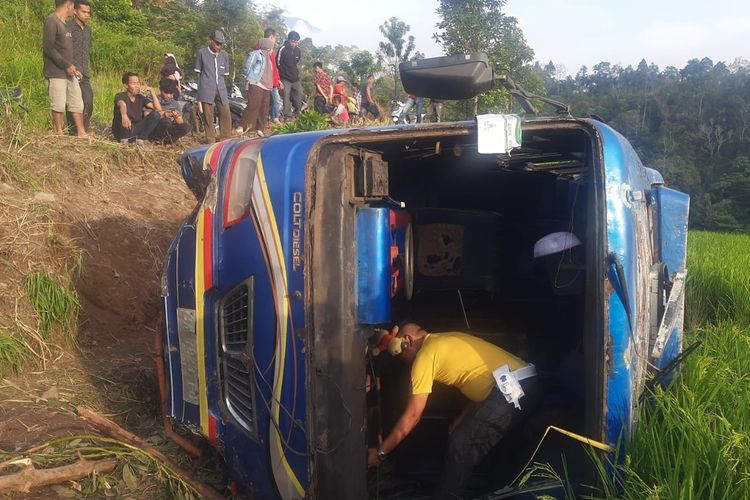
(381, 455)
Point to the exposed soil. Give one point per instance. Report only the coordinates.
(120, 210)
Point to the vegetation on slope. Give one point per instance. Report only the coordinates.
(693, 438)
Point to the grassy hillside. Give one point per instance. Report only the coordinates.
(84, 228)
(127, 36)
(125, 39)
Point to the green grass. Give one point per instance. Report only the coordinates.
(307, 121)
(692, 440)
(718, 286)
(13, 353)
(56, 303)
(120, 44)
(13, 171)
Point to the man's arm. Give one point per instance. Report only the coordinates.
(226, 63)
(278, 59)
(124, 114)
(155, 104)
(406, 423)
(198, 64)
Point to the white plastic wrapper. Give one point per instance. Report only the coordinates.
(509, 385)
(498, 133)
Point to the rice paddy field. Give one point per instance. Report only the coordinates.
(693, 438)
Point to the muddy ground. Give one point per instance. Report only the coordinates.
(103, 217)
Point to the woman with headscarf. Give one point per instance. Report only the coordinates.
(170, 70)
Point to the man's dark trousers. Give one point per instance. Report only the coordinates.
(479, 432)
(291, 96)
(167, 131)
(142, 129)
(322, 106)
(87, 93)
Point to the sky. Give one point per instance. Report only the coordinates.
(571, 33)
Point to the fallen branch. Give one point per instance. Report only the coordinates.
(30, 477)
(107, 426)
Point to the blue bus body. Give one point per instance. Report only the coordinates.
(261, 280)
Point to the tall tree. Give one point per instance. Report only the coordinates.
(689, 123)
(273, 17)
(359, 66)
(239, 23)
(468, 26)
(397, 48)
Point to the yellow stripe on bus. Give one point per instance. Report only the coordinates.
(276, 261)
(200, 320)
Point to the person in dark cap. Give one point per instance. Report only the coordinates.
(291, 89)
(212, 66)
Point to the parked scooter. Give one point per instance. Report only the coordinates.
(10, 96)
(397, 109)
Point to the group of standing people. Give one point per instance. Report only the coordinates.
(274, 88)
(264, 84)
(140, 114)
(333, 98)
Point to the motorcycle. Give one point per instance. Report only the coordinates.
(397, 109)
(10, 96)
(191, 112)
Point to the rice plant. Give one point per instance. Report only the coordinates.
(13, 353)
(718, 284)
(56, 303)
(692, 440)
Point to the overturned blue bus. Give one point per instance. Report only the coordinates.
(301, 245)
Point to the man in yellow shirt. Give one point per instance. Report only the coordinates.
(467, 363)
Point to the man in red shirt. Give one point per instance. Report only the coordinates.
(323, 90)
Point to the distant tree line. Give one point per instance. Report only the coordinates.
(691, 124)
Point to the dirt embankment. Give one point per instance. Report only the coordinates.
(101, 219)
